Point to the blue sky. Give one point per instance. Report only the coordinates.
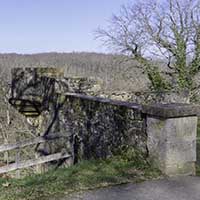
(33, 26)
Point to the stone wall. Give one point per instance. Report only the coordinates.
(86, 127)
(89, 127)
(97, 128)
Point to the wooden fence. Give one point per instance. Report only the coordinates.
(31, 162)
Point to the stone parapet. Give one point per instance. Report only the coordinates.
(171, 137)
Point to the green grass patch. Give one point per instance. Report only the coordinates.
(83, 176)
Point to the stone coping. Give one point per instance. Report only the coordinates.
(172, 110)
(106, 100)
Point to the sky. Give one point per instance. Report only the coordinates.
(35, 26)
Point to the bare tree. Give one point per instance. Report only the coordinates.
(168, 30)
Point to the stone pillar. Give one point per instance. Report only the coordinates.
(171, 137)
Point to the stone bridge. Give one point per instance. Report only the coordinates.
(87, 127)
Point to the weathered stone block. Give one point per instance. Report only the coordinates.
(172, 144)
(187, 168)
(181, 127)
(180, 150)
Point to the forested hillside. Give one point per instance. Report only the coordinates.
(117, 73)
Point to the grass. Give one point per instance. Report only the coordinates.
(83, 176)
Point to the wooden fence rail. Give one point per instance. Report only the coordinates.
(28, 163)
(32, 162)
(8, 147)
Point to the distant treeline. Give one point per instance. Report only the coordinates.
(117, 73)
